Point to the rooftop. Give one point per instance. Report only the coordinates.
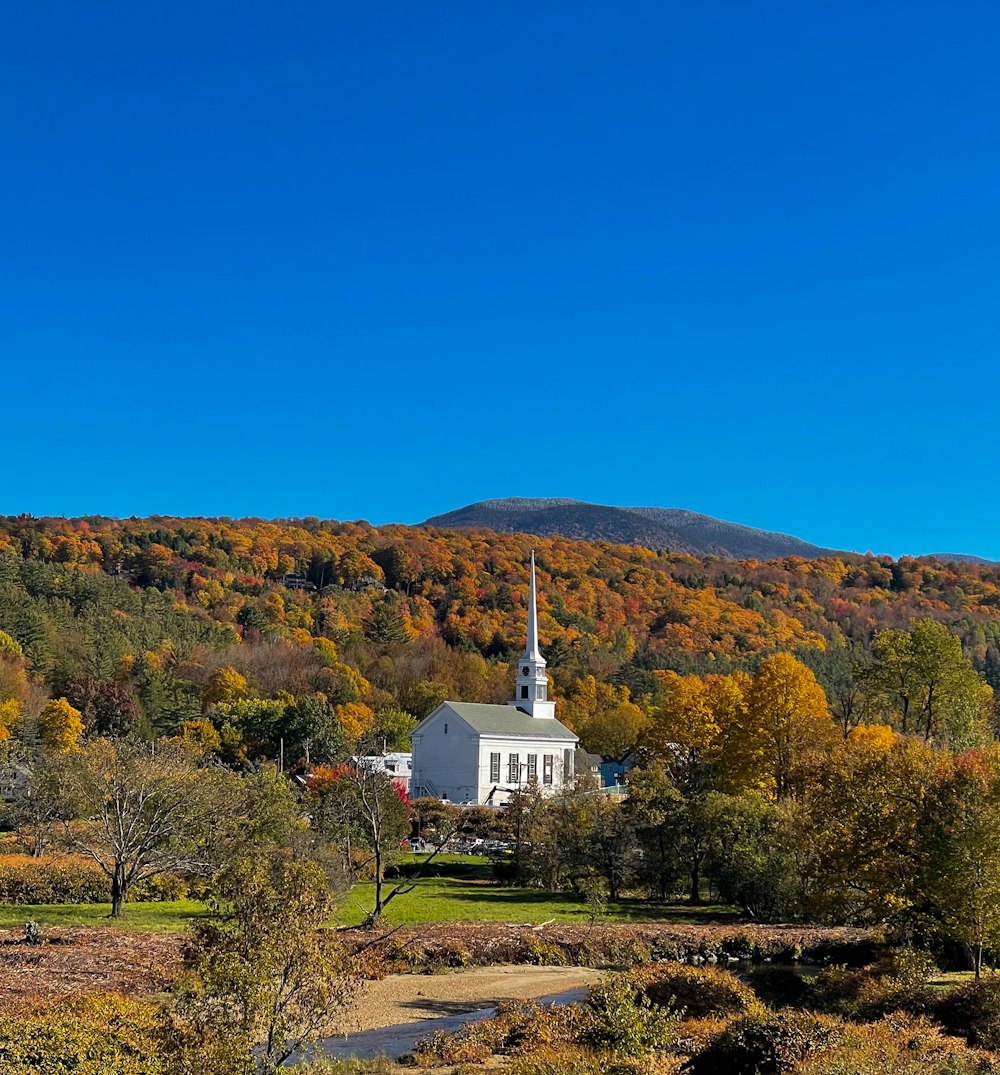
(504, 720)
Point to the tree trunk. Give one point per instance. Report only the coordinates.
(979, 959)
(663, 865)
(119, 890)
(378, 879)
(695, 884)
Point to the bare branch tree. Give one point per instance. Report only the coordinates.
(141, 809)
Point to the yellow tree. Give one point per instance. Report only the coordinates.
(201, 733)
(225, 686)
(743, 755)
(60, 726)
(865, 817)
(683, 730)
(10, 646)
(604, 716)
(355, 719)
(9, 712)
(788, 721)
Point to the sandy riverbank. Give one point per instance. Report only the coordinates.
(405, 998)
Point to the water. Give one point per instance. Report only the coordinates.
(393, 1041)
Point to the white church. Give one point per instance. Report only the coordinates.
(469, 752)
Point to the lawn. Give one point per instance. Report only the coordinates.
(167, 917)
(463, 894)
(452, 899)
(461, 890)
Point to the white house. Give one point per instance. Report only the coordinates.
(470, 752)
(398, 766)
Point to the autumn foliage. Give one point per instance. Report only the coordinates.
(306, 632)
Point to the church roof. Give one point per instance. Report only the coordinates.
(508, 720)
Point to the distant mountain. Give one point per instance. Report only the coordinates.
(654, 528)
(956, 558)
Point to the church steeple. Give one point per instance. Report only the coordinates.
(531, 646)
(532, 685)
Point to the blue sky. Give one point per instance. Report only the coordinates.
(381, 260)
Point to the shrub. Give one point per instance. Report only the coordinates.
(621, 1020)
(764, 1044)
(515, 1027)
(615, 1020)
(542, 953)
(74, 879)
(398, 953)
(699, 991)
(568, 1061)
(665, 950)
(51, 879)
(908, 966)
(326, 1065)
(897, 1046)
(91, 1034)
(834, 990)
(164, 886)
(894, 984)
(973, 1012)
(742, 946)
(449, 954)
(627, 952)
(884, 996)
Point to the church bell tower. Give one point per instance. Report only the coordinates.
(531, 692)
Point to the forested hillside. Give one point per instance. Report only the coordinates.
(246, 632)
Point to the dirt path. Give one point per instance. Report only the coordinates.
(405, 998)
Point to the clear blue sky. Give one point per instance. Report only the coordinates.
(373, 260)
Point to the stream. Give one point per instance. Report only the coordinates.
(393, 1041)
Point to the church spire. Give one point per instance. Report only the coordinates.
(532, 684)
(531, 652)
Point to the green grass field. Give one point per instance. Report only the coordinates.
(464, 894)
(451, 899)
(167, 917)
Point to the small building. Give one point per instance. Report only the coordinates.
(13, 782)
(398, 765)
(614, 771)
(295, 580)
(589, 763)
(471, 752)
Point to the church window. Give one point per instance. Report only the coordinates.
(446, 729)
(567, 765)
(513, 769)
(495, 768)
(524, 692)
(540, 693)
(532, 766)
(547, 768)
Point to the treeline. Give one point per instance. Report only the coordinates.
(886, 831)
(306, 632)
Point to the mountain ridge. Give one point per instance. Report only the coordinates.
(676, 529)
